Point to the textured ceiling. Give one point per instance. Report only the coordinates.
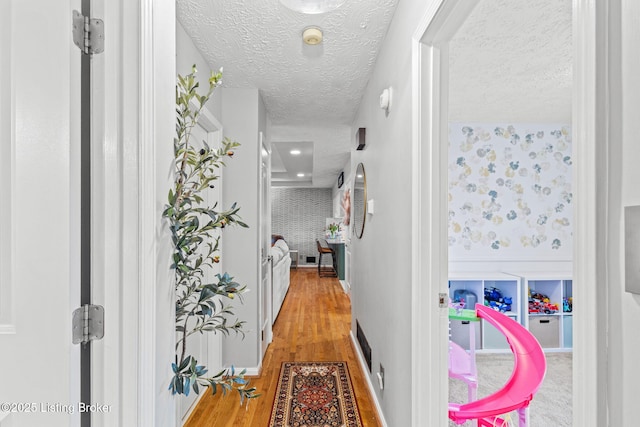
(511, 61)
(259, 43)
(311, 93)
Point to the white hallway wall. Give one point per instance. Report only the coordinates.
(382, 291)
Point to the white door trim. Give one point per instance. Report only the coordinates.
(429, 262)
(429, 220)
(592, 100)
(147, 221)
(133, 369)
(157, 290)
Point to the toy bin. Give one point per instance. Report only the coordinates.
(546, 329)
(470, 298)
(460, 330)
(492, 339)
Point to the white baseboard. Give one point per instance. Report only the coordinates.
(365, 369)
(186, 416)
(343, 284)
(250, 372)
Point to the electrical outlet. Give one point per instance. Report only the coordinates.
(380, 376)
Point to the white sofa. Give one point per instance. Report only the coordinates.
(281, 274)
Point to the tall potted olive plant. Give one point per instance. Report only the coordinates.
(201, 307)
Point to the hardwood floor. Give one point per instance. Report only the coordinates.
(313, 325)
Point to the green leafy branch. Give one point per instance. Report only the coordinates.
(195, 228)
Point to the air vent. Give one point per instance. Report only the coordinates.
(364, 345)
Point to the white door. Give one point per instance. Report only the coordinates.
(39, 213)
(266, 270)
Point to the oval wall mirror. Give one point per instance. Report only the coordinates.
(359, 201)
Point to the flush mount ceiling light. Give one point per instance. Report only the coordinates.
(295, 152)
(312, 35)
(300, 175)
(312, 7)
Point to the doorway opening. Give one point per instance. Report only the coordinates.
(510, 194)
(432, 80)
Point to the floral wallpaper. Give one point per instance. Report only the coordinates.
(510, 190)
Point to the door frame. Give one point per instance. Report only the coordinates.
(429, 209)
(264, 232)
(135, 128)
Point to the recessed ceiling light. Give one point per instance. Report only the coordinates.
(312, 7)
(295, 152)
(300, 175)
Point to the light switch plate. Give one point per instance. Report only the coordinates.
(632, 249)
(380, 376)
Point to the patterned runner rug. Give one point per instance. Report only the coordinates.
(314, 394)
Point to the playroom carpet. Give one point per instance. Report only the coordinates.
(551, 406)
(314, 394)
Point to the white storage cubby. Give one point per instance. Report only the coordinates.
(487, 337)
(553, 330)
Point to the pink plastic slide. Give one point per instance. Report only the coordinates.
(529, 368)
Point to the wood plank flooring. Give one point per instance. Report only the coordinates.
(313, 325)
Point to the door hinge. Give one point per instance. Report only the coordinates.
(88, 33)
(88, 323)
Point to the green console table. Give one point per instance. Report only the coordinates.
(338, 247)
